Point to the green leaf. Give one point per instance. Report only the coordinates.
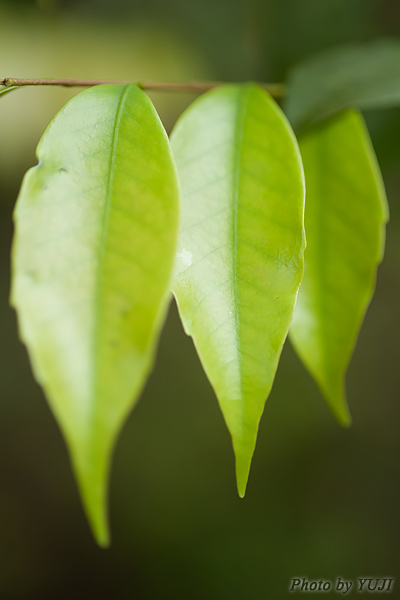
(345, 214)
(240, 259)
(364, 76)
(96, 227)
(4, 90)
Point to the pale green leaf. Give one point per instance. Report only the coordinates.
(240, 258)
(5, 89)
(346, 211)
(96, 228)
(362, 76)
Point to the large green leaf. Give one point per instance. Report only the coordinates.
(345, 214)
(240, 259)
(96, 228)
(365, 76)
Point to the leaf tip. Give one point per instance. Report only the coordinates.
(241, 491)
(343, 415)
(98, 521)
(102, 535)
(338, 404)
(241, 485)
(92, 480)
(243, 463)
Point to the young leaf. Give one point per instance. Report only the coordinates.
(96, 228)
(240, 259)
(5, 90)
(366, 76)
(345, 214)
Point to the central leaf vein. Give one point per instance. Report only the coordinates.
(104, 232)
(237, 158)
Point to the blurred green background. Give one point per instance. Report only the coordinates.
(322, 502)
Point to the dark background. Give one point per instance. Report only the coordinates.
(322, 501)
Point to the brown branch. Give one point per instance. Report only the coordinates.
(197, 87)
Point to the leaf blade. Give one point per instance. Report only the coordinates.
(346, 210)
(229, 271)
(362, 76)
(96, 227)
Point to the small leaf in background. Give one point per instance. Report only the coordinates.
(96, 226)
(346, 211)
(240, 259)
(364, 76)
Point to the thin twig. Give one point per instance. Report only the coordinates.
(197, 87)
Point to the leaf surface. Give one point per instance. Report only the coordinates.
(363, 76)
(346, 211)
(240, 259)
(95, 234)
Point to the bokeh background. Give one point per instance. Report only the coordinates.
(322, 502)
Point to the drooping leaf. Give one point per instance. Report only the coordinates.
(346, 211)
(240, 259)
(96, 228)
(362, 76)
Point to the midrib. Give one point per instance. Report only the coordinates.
(244, 94)
(103, 243)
